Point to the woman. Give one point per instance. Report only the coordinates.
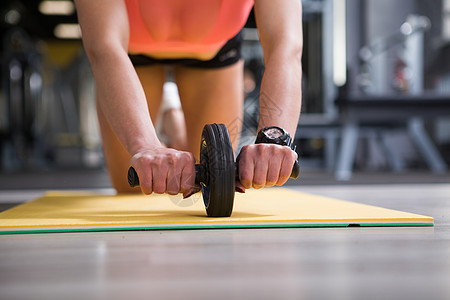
(200, 39)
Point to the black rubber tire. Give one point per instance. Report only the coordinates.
(216, 155)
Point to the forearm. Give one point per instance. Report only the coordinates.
(280, 32)
(120, 96)
(122, 100)
(280, 97)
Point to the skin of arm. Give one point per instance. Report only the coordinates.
(280, 30)
(120, 96)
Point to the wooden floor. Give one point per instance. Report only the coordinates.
(315, 263)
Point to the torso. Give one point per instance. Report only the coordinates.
(184, 28)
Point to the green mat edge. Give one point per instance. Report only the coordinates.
(99, 229)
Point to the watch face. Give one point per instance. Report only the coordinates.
(273, 133)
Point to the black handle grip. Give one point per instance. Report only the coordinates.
(133, 178)
(295, 170)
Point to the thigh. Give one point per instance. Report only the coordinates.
(211, 96)
(152, 79)
(116, 157)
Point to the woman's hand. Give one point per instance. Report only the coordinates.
(265, 165)
(165, 170)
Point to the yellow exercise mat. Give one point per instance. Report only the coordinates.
(269, 207)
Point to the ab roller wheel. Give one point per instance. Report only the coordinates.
(217, 171)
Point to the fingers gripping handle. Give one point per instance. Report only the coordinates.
(294, 174)
(133, 178)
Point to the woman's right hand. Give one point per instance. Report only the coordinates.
(165, 170)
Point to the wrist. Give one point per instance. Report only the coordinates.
(142, 147)
(274, 135)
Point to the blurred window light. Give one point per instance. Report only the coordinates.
(339, 43)
(12, 17)
(56, 7)
(67, 31)
(446, 20)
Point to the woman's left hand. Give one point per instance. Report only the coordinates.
(264, 165)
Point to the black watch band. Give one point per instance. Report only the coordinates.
(274, 135)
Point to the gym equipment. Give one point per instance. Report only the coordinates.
(21, 140)
(217, 171)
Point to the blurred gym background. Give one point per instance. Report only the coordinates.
(376, 94)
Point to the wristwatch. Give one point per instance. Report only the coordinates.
(274, 135)
(279, 136)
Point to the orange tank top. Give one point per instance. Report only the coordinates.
(193, 26)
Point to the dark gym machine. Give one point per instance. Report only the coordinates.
(22, 86)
